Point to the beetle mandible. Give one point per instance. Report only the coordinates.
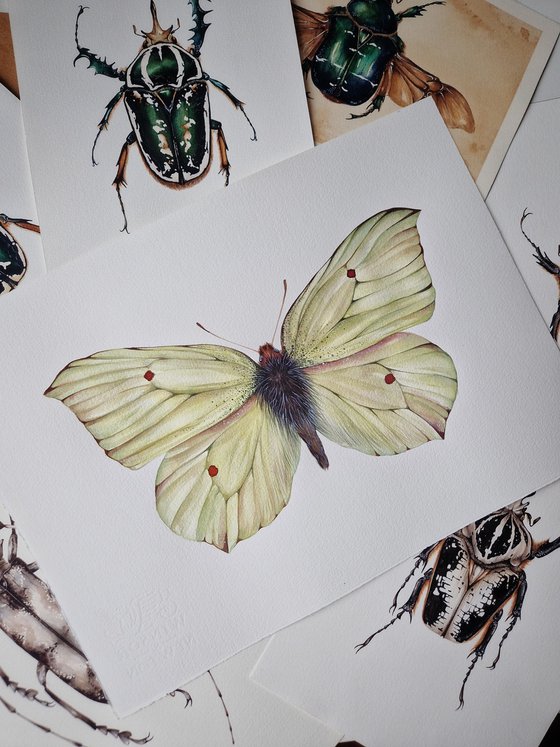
(165, 92)
(13, 262)
(476, 572)
(354, 55)
(544, 261)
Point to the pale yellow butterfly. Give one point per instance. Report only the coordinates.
(230, 429)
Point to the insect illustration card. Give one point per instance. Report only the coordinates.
(47, 700)
(479, 60)
(229, 487)
(549, 84)
(135, 109)
(523, 202)
(467, 653)
(21, 252)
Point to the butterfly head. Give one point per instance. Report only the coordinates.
(267, 353)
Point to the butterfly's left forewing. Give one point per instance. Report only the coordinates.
(140, 402)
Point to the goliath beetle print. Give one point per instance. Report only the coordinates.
(166, 96)
(544, 261)
(13, 262)
(354, 55)
(475, 574)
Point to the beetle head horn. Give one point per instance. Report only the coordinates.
(157, 34)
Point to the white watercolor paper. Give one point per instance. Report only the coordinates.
(549, 84)
(403, 688)
(530, 180)
(156, 610)
(197, 716)
(16, 190)
(251, 47)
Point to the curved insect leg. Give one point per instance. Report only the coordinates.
(234, 100)
(408, 606)
(417, 10)
(379, 95)
(421, 560)
(514, 615)
(478, 653)
(188, 699)
(27, 693)
(120, 178)
(100, 66)
(225, 165)
(547, 547)
(223, 705)
(124, 736)
(10, 708)
(103, 124)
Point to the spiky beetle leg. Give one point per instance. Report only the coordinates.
(478, 653)
(547, 547)
(47, 730)
(225, 165)
(417, 10)
(120, 178)
(234, 100)
(25, 692)
(100, 67)
(200, 26)
(421, 560)
(408, 606)
(105, 120)
(124, 736)
(514, 616)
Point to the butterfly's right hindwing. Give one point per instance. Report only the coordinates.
(375, 284)
(140, 402)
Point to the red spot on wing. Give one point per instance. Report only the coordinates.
(212, 470)
(390, 379)
(350, 273)
(149, 375)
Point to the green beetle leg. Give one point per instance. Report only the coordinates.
(105, 121)
(417, 10)
(120, 178)
(225, 165)
(100, 66)
(234, 100)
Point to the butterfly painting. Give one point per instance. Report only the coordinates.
(230, 429)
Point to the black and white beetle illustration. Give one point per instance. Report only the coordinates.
(32, 618)
(476, 572)
(544, 261)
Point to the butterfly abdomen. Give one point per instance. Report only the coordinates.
(284, 387)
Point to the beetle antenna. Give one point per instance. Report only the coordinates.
(225, 339)
(285, 284)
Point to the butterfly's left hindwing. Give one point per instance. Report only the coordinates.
(226, 483)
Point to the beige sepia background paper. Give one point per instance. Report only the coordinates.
(470, 44)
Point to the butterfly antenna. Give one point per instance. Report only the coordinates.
(224, 339)
(281, 310)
